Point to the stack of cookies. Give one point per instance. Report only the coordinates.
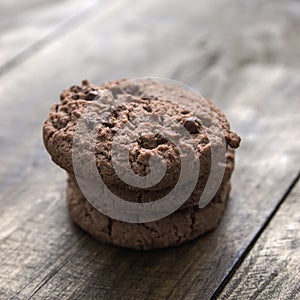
(115, 105)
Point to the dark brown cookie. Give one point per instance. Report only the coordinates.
(175, 229)
(114, 104)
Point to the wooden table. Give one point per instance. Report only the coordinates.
(242, 54)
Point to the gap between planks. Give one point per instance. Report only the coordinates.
(241, 259)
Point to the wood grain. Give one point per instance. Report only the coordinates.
(27, 25)
(272, 268)
(43, 255)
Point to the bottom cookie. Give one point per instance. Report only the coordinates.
(175, 229)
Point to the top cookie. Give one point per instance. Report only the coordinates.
(138, 115)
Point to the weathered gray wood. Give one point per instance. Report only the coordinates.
(23, 23)
(42, 254)
(272, 268)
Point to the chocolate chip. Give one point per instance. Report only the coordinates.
(185, 112)
(75, 97)
(85, 82)
(108, 124)
(91, 95)
(147, 108)
(75, 89)
(193, 125)
(160, 139)
(234, 140)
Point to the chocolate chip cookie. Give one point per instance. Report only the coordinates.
(132, 130)
(114, 104)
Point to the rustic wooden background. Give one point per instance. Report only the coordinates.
(242, 54)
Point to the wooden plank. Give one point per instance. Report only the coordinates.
(272, 268)
(190, 271)
(24, 23)
(42, 254)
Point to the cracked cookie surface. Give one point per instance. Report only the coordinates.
(111, 105)
(175, 229)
